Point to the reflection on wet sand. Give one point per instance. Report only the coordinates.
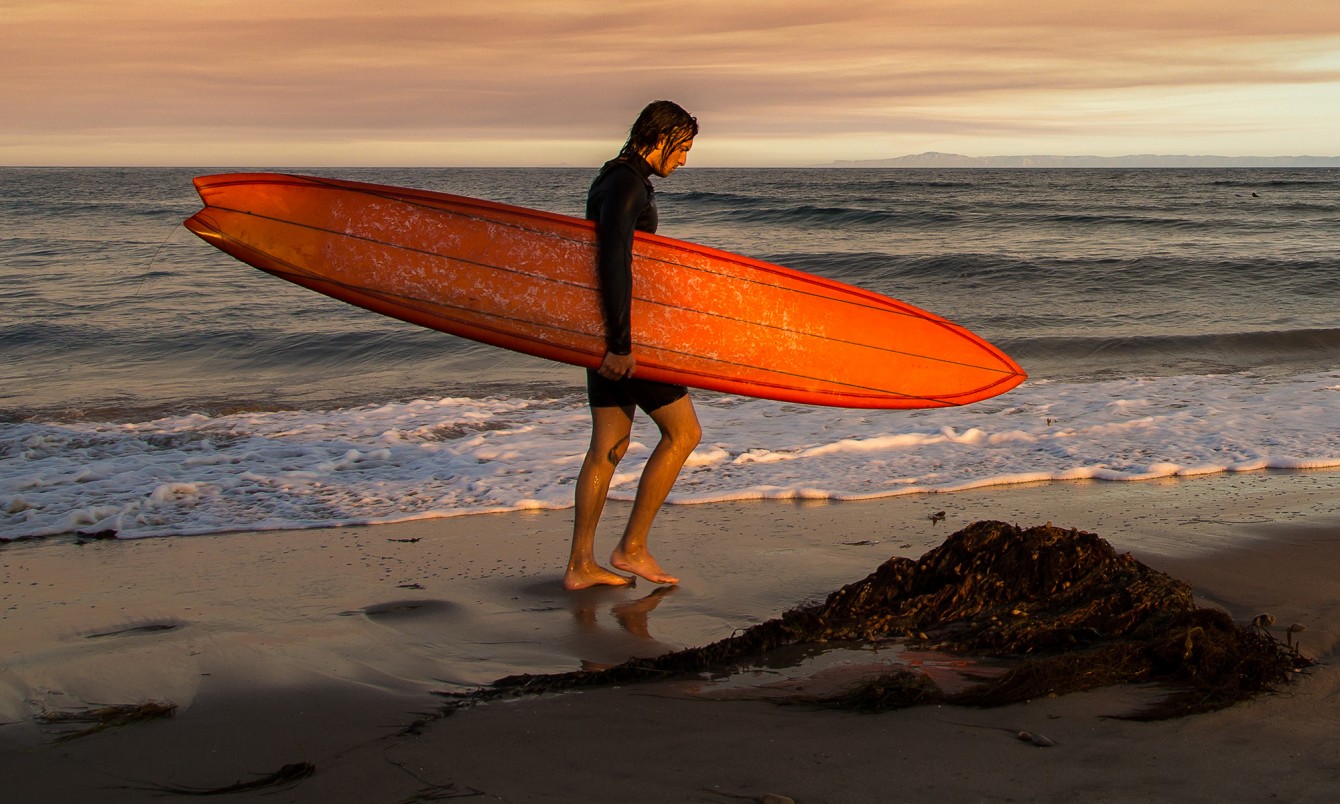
(596, 641)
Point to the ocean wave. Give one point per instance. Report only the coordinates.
(437, 457)
(812, 215)
(1083, 278)
(1122, 219)
(1154, 355)
(709, 198)
(1317, 178)
(1005, 223)
(913, 181)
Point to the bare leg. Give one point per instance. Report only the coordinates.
(610, 429)
(680, 433)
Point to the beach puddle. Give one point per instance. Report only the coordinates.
(821, 672)
(397, 610)
(136, 629)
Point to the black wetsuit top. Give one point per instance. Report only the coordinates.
(621, 200)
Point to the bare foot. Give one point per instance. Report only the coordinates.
(585, 576)
(642, 565)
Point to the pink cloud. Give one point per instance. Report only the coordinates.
(549, 69)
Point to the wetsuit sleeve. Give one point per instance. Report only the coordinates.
(616, 212)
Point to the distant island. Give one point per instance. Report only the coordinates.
(932, 159)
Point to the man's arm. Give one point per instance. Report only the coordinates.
(616, 218)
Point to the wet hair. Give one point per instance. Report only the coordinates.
(661, 120)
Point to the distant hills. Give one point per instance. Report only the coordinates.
(932, 159)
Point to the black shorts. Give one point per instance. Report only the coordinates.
(646, 394)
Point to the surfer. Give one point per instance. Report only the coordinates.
(621, 200)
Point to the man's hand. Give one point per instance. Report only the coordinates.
(617, 367)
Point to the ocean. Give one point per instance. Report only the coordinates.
(1173, 322)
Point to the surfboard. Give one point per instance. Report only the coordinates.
(525, 280)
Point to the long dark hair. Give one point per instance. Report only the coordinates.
(660, 120)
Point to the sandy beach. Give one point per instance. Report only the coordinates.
(327, 647)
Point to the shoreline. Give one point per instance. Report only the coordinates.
(324, 645)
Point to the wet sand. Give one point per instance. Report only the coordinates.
(326, 647)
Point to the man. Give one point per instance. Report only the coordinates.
(621, 200)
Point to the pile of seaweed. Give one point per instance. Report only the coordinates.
(1062, 606)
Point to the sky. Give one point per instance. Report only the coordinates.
(557, 82)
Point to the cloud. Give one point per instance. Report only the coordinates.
(548, 71)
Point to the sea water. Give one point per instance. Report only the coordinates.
(1173, 322)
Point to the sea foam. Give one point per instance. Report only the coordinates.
(455, 456)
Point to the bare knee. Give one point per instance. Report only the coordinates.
(680, 431)
(684, 438)
(694, 436)
(610, 432)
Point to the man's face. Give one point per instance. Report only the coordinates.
(664, 162)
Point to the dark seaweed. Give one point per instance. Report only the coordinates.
(1067, 612)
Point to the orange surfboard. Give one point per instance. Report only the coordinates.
(526, 280)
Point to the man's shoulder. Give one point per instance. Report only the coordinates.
(625, 168)
(619, 177)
